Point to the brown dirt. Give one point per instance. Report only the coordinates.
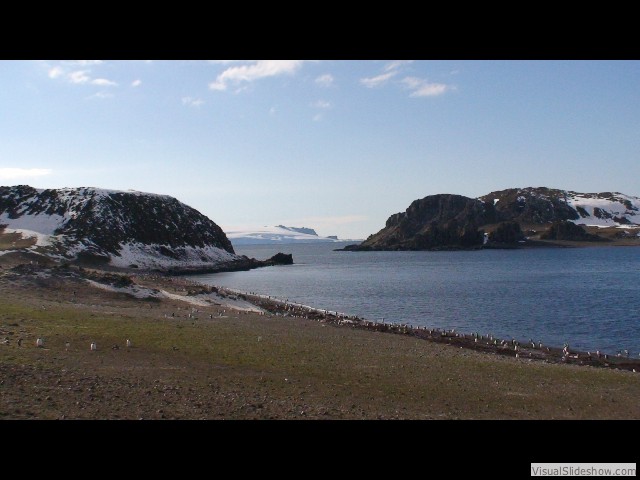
(249, 366)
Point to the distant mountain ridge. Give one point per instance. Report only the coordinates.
(116, 228)
(447, 221)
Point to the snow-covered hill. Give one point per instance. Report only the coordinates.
(542, 205)
(275, 235)
(116, 228)
(605, 209)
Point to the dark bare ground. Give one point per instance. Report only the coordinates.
(251, 366)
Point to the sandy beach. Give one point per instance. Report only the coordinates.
(201, 352)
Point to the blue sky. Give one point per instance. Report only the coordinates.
(333, 145)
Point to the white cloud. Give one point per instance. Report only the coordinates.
(136, 83)
(424, 88)
(255, 71)
(272, 111)
(55, 72)
(317, 117)
(103, 82)
(325, 80)
(192, 102)
(430, 90)
(79, 76)
(378, 80)
(323, 104)
(391, 69)
(14, 173)
(396, 64)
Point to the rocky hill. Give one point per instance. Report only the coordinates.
(114, 228)
(448, 221)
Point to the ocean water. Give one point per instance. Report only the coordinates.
(587, 297)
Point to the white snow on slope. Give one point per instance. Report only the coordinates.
(271, 234)
(613, 207)
(148, 256)
(41, 223)
(203, 300)
(72, 201)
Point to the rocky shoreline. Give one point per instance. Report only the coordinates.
(486, 343)
(165, 347)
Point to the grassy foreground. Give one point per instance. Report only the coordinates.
(240, 365)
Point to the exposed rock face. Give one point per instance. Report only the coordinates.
(453, 221)
(528, 205)
(507, 233)
(437, 221)
(281, 259)
(113, 227)
(563, 230)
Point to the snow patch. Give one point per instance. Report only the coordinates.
(612, 207)
(136, 291)
(149, 256)
(203, 300)
(39, 223)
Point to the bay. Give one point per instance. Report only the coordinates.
(587, 297)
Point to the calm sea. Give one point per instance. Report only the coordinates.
(588, 297)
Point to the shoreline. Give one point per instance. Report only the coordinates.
(206, 352)
(473, 341)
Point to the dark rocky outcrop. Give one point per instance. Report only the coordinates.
(528, 206)
(563, 230)
(507, 233)
(449, 222)
(437, 221)
(281, 259)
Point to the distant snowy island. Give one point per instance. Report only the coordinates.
(269, 235)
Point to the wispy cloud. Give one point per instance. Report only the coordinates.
(391, 69)
(424, 88)
(420, 87)
(431, 90)
(136, 83)
(378, 80)
(192, 102)
(69, 71)
(254, 71)
(16, 173)
(79, 76)
(396, 64)
(103, 82)
(325, 80)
